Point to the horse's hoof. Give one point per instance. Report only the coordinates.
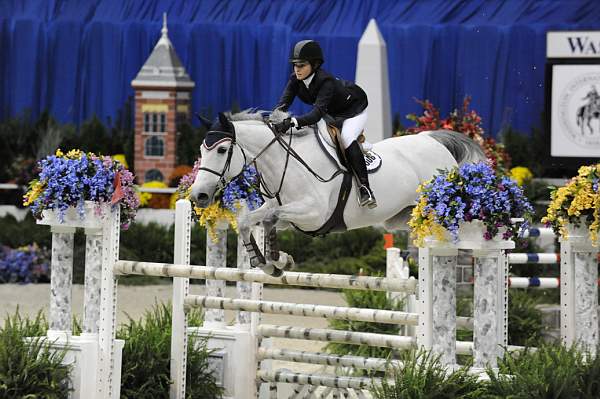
(277, 272)
(271, 270)
(289, 264)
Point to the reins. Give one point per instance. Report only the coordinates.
(290, 152)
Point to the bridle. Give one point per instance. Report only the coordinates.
(222, 180)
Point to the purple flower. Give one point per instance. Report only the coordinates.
(69, 182)
(475, 192)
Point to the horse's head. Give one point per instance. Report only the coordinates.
(222, 159)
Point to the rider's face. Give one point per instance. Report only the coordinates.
(302, 69)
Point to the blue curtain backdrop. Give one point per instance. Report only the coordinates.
(77, 58)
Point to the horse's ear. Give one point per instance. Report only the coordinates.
(225, 122)
(223, 119)
(205, 121)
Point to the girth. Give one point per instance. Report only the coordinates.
(336, 220)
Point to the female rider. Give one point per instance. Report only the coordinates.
(341, 102)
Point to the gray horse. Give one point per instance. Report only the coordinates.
(289, 166)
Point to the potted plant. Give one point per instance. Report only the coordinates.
(77, 188)
(574, 209)
(468, 203)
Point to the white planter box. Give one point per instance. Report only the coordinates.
(470, 236)
(92, 218)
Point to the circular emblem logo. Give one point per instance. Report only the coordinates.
(373, 161)
(579, 109)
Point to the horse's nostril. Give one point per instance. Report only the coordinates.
(202, 200)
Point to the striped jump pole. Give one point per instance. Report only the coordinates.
(535, 232)
(535, 282)
(540, 257)
(126, 267)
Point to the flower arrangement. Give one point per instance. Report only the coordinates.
(241, 189)
(28, 264)
(521, 175)
(67, 180)
(576, 203)
(465, 121)
(470, 192)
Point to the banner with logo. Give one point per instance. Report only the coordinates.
(574, 103)
(575, 123)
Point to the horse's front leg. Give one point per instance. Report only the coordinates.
(246, 221)
(284, 215)
(273, 255)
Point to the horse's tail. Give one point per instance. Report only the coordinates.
(463, 149)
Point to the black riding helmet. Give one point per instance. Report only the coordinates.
(307, 50)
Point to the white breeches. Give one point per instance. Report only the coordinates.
(352, 128)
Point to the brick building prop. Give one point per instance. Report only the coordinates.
(163, 92)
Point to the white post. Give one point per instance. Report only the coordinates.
(244, 288)
(93, 277)
(216, 256)
(255, 319)
(579, 292)
(372, 76)
(61, 281)
(490, 290)
(181, 288)
(437, 302)
(106, 380)
(397, 268)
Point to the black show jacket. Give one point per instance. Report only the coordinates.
(336, 98)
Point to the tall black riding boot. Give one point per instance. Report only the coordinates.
(356, 159)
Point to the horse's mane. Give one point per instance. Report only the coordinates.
(252, 114)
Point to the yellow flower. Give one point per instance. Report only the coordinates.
(212, 215)
(74, 154)
(423, 224)
(59, 153)
(521, 175)
(576, 201)
(120, 158)
(35, 189)
(146, 197)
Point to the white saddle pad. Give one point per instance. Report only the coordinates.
(372, 159)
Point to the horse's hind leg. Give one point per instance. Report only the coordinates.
(400, 220)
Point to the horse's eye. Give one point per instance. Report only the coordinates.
(222, 150)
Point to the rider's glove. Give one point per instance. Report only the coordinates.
(283, 126)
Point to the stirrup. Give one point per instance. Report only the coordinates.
(366, 197)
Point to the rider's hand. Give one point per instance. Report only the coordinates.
(283, 126)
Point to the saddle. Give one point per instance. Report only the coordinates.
(329, 138)
(336, 137)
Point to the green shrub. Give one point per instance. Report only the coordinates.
(422, 376)
(146, 358)
(525, 326)
(549, 372)
(590, 377)
(30, 369)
